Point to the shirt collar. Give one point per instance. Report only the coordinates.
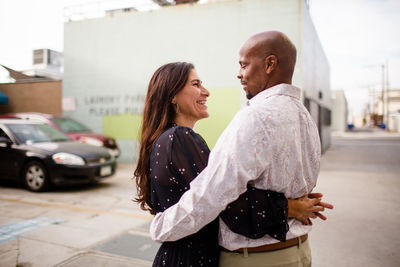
(280, 89)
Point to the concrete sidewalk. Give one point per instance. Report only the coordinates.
(360, 175)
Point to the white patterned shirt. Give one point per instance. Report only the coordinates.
(272, 143)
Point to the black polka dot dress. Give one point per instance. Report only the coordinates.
(178, 156)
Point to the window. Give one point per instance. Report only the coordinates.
(325, 116)
(36, 133)
(3, 134)
(70, 126)
(307, 103)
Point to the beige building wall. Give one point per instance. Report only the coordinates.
(393, 107)
(43, 96)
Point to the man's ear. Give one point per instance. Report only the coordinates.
(271, 62)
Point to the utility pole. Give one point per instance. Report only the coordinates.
(383, 94)
(372, 102)
(387, 95)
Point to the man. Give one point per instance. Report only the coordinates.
(271, 144)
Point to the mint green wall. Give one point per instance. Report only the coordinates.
(222, 105)
(125, 126)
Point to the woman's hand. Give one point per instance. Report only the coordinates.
(306, 207)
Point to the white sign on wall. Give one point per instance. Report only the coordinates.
(68, 104)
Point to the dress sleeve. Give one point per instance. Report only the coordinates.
(189, 153)
(258, 212)
(177, 157)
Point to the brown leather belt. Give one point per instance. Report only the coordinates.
(270, 247)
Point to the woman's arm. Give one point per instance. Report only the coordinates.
(259, 212)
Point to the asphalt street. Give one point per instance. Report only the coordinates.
(360, 175)
(99, 225)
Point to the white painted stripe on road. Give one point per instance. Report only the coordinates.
(76, 208)
(13, 230)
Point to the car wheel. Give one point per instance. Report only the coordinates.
(35, 176)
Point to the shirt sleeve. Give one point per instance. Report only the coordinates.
(240, 156)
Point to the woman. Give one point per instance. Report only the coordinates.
(172, 155)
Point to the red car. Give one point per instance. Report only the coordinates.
(72, 128)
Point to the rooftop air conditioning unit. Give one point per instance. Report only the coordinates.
(46, 58)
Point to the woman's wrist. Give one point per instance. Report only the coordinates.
(293, 208)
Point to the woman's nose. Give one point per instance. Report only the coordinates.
(205, 91)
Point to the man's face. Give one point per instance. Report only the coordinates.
(252, 73)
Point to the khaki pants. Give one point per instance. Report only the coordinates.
(296, 256)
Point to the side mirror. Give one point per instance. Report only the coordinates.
(4, 140)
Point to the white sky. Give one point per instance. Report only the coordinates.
(358, 36)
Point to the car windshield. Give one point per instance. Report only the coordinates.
(69, 125)
(36, 133)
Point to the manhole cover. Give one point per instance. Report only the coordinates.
(131, 245)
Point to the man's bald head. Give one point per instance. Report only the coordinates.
(273, 54)
(274, 42)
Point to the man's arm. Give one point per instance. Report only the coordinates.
(238, 157)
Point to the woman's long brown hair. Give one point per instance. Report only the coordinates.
(158, 112)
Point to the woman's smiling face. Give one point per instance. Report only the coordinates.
(191, 100)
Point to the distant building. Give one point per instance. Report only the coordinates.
(392, 109)
(35, 90)
(109, 62)
(42, 96)
(339, 111)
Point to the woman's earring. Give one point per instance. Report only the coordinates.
(176, 108)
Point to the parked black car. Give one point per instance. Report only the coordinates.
(38, 156)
